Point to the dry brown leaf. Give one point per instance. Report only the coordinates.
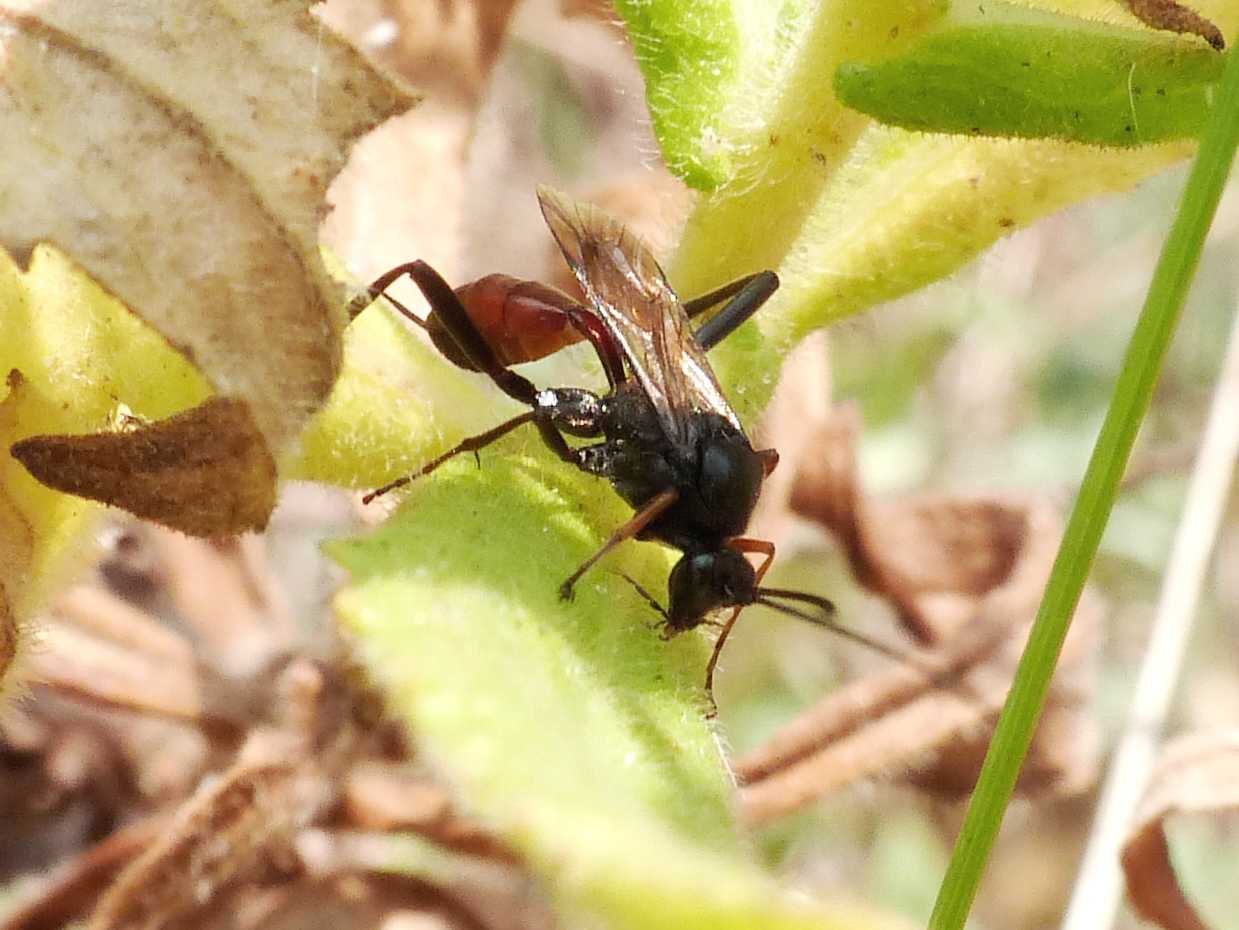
(239, 624)
(222, 834)
(1175, 17)
(74, 890)
(242, 823)
(179, 152)
(929, 555)
(97, 647)
(206, 471)
(450, 45)
(1197, 774)
(966, 576)
(129, 715)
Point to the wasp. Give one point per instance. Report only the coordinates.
(664, 434)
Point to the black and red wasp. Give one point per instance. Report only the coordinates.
(669, 442)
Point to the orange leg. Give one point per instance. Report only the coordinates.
(740, 544)
(640, 520)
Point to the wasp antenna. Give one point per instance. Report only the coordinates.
(827, 607)
(824, 619)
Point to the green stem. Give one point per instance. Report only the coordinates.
(1132, 395)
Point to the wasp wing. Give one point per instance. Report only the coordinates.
(625, 285)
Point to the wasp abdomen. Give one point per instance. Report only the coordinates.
(520, 320)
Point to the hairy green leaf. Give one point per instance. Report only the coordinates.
(569, 727)
(1006, 70)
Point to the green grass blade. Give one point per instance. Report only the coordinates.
(1132, 395)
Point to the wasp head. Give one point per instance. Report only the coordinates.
(706, 581)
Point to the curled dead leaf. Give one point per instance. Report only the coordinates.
(206, 471)
(216, 838)
(81, 883)
(179, 154)
(1197, 774)
(966, 577)
(1175, 17)
(98, 648)
(930, 556)
(246, 820)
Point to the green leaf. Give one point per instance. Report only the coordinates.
(689, 52)
(1133, 392)
(717, 74)
(570, 728)
(388, 412)
(1005, 70)
(851, 213)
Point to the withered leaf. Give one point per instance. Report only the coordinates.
(75, 888)
(178, 152)
(206, 471)
(1175, 17)
(241, 824)
(1197, 774)
(219, 836)
(139, 668)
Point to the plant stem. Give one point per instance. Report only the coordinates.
(1132, 395)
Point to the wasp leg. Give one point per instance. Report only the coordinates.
(740, 544)
(640, 520)
(699, 305)
(472, 444)
(451, 313)
(590, 325)
(754, 291)
(376, 289)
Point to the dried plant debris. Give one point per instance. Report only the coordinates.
(445, 49)
(1197, 775)
(8, 637)
(206, 471)
(179, 153)
(966, 577)
(1176, 17)
(178, 782)
(216, 838)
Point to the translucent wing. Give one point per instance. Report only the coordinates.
(627, 288)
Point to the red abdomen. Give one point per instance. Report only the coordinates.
(520, 320)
